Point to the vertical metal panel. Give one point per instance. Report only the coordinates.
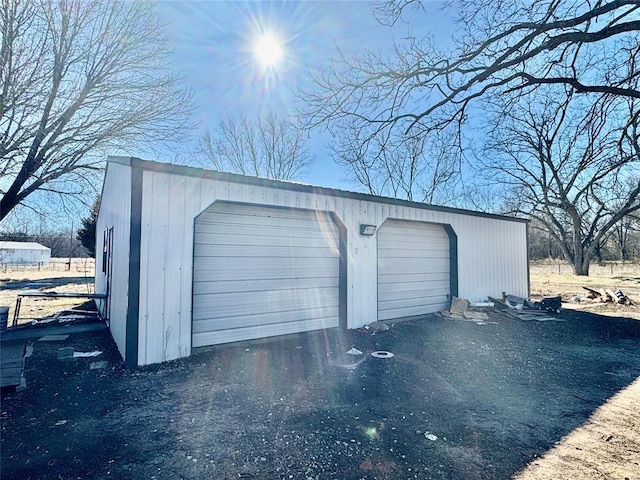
(176, 228)
(146, 277)
(170, 204)
(193, 188)
(115, 210)
(157, 285)
(362, 261)
(492, 257)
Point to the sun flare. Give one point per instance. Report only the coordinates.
(268, 50)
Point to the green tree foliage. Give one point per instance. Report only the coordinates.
(87, 232)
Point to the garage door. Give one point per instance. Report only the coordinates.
(413, 269)
(261, 271)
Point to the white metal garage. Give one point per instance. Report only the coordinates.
(413, 269)
(261, 271)
(203, 257)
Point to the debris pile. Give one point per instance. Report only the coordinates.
(374, 327)
(72, 315)
(605, 295)
(509, 306)
(461, 309)
(526, 310)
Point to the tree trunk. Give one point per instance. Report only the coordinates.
(6, 204)
(582, 261)
(581, 269)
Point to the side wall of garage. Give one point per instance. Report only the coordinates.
(115, 215)
(491, 250)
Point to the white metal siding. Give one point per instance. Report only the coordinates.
(115, 211)
(260, 272)
(169, 206)
(413, 269)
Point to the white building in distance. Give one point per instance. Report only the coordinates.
(24, 253)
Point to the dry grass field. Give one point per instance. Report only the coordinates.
(550, 278)
(59, 276)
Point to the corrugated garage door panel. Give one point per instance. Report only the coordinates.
(413, 269)
(262, 271)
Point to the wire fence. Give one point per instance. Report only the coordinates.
(77, 265)
(560, 267)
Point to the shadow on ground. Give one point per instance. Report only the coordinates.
(456, 401)
(46, 283)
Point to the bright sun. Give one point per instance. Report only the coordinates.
(268, 50)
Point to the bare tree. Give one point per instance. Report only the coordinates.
(270, 147)
(507, 51)
(78, 77)
(499, 46)
(569, 165)
(541, 244)
(419, 166)
(622, 236)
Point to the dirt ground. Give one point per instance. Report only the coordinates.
(457, 400)
(58, 276)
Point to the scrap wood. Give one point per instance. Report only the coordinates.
(508, 314)
(533, 316)
(614, 297)
(525, 316)
(499, 304)
(539, 318)
(592, 294)
(474, 315)
(605, 296)
(460, 310)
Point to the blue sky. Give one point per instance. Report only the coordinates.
(213, 43)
